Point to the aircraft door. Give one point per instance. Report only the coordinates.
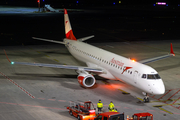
(135, 76)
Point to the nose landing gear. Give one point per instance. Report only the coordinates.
(146, 98)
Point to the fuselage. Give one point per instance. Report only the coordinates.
(117, 67)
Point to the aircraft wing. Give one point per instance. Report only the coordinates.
(88, 69)
(81, 68)
(158, 58)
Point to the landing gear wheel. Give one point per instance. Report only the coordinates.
(70, 112)
(146, 100)
(78, 117)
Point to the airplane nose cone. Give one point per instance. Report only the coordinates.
(159, 88)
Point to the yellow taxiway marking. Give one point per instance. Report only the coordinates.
(165, 110)
(46, 55)
(166, 100)
(56, 60)
(124, 92)
(166, 104)
(139, 98)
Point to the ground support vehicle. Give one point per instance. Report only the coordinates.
(120, 116)
(83, 111)
(142, 116)
(86, 111)
(110, 116)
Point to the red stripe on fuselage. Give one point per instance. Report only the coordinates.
(126, 69)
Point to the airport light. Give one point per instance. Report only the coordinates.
(77, 2)
(161, 3)
(38, 4)
(114, 3)
(133, 60)
(12, 63)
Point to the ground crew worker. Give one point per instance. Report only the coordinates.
(114, 110)
(111, 106)
(99, 106)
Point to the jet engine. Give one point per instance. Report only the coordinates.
(86, 80)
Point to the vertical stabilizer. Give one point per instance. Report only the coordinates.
(68, 29)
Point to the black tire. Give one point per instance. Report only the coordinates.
(78, 117)
(70, 112)
(147, 100)
(144, 100)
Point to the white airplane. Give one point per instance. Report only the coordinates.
(107, 65)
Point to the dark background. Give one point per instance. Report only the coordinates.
(86, 3)
(126, 22)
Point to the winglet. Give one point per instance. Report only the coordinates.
(172, 52)
(7, 56)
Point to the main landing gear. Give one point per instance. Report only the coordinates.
(146, 98)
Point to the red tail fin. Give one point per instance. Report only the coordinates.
(172, 52)
(68, 29)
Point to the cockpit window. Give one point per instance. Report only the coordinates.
(157, 76)
(144, 76)
(153, 76)
(150, 76)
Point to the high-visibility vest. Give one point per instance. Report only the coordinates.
(99, 105)
(111, 106)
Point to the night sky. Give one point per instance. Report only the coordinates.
(84, 3)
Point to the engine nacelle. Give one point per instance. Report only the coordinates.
(86, 80)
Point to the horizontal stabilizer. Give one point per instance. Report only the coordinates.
(85, 38)
(48, 40)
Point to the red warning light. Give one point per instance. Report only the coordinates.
(38, 1)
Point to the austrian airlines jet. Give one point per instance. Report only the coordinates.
(107, 64)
